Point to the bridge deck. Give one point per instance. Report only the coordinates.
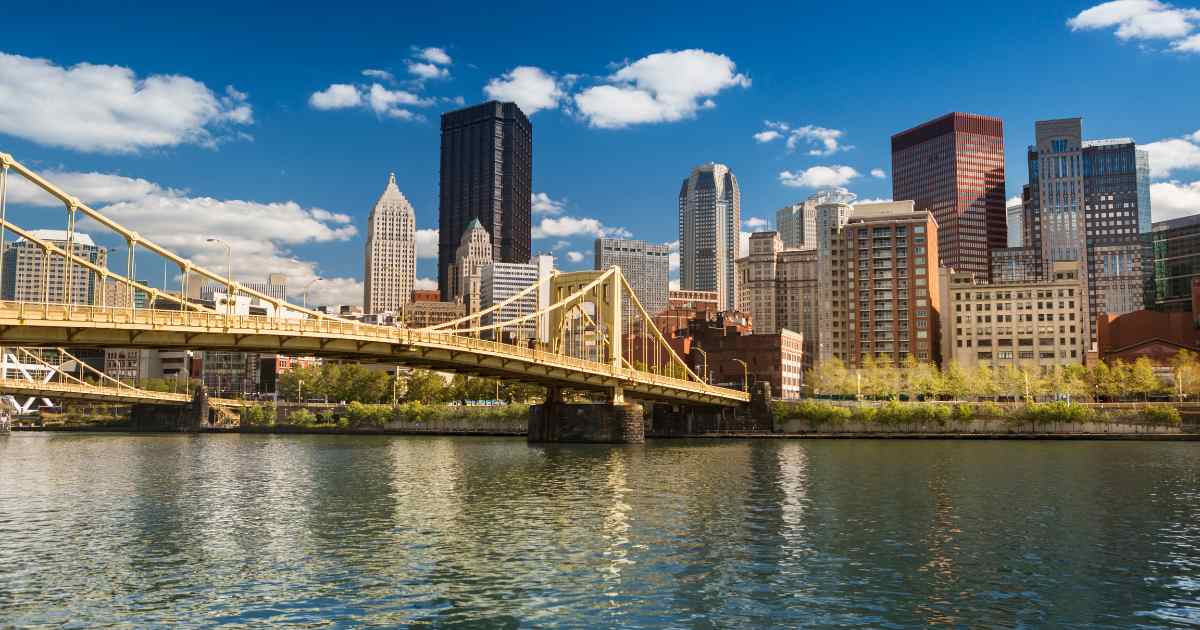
(35, 324)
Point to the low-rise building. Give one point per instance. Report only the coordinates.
(424, 313)
(1019, 323)
(714, 347)
(1171, 263)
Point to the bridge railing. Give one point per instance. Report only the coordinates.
(198, 321)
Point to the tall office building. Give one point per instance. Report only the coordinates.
(1090, 201)
(645, 265)
(474, 251)
(1016, 225)
(953, 166)
(778, 289)
(31, 277)
(391, 260)
(486, 174)
(882, 284)
(710, 221)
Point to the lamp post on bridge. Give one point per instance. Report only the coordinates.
(228, 273)
(745, 375)
(309, 286)
(704, 371)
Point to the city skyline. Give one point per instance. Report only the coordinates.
(601, 168)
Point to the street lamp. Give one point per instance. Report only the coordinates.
(309, 286)
(745, 375)
(228, 273)
(704, 354)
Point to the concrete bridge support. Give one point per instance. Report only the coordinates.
(615, 422)
(179, 418)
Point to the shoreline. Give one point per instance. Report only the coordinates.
(1018, 436)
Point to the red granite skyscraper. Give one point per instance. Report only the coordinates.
(953, 166)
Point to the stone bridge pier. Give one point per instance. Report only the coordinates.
(192, 417)
(614, 422)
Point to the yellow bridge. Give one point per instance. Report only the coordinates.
(592, 335)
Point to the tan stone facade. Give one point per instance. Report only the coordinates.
(1024, 324)
(474, 252)
(778, 288)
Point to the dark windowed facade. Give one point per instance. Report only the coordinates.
(953, 167)
(1174, 255)
(486, 174)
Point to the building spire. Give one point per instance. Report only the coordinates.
(392, 179)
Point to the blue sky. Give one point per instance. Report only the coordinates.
(199, 109)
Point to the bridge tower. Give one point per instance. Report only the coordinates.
(588, 323)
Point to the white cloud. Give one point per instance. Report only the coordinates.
(426, 284)
(575, 257)
(1190, 45)
(530, 87)
(818, 177)
(1174, 154)
(92, 188)
(566, 227)
(427, 243)
(871, 200)
(673, 257)
(385, 102)
(755, 224)
(767, 136)
(1142, 20)
(824, 141)
(382, 75)
(543, 204)
(1170, 200)
(435, 55)
(673, 284)
(260, 234)
(379, 99)
(1014, 200)
(333, 291)
(878, 173)
(98, 108)
(336, 96)
(424, 70)
(662, 87)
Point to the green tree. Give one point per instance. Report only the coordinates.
(1185, 370)
(982, 382)
(920, 379)
(1142, 380)
(955, 382)
(426, 387)
(829, 378)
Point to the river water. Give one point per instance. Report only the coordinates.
(348, 531)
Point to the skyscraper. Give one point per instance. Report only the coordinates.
(391, 252)
(1089, 200)
(710, 219)
(486, 174)
(645, 265)
(953, 166)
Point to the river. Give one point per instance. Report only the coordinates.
(350, 531)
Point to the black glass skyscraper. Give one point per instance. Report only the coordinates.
(486, 174)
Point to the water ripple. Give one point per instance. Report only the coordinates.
(343, 531)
